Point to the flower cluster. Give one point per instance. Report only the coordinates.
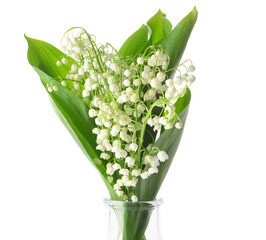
(128, 99)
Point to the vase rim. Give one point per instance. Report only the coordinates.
(121, 204)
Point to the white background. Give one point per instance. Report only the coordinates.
(216, 187)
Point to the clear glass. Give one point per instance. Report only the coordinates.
(134, 221)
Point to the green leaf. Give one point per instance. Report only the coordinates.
(167, 25)
(175, 42)
(168, 141)
(44, 56)
(71, 110)
(182, 102)
(135, 42)
(160, 26)
(74, 114)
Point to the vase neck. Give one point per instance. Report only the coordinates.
(134, 221)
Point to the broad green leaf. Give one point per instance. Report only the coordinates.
(175, 42)
(70, 109)
(160, 26)
(135, 42)
(44, 56)
(167, 25)
(182, 102)
(168, 141)
(74, 114)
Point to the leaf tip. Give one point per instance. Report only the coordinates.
(195, 11)
(160, 12)
(26, 37)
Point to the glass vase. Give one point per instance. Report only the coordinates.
(134, 221)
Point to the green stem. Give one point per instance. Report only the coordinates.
(144, 127)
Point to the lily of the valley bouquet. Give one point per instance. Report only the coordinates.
(125, 108)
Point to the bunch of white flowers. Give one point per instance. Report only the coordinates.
(121, 95)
